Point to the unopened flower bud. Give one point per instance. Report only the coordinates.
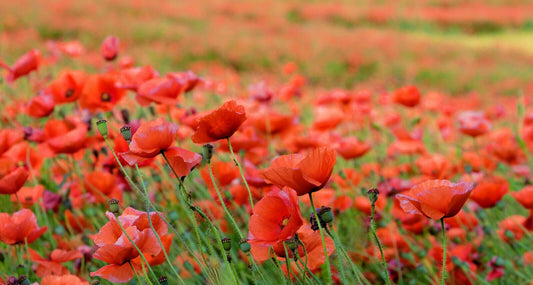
(226, 243)
(126, 133)
(244, 245)
(207, 152)
(373, 195)
(113, 206)
(23, 280)
(101, 125)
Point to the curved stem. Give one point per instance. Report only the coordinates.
(328, 271)
(242, 174)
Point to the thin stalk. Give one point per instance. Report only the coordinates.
(242, 174)
(443, 252)
(373, 229)
(328, 271)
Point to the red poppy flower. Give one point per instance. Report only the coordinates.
(24, 65)
(275, 218)
(52, 266)
(182, 160)
(524, 197)
(9, 138)
(409, 96)
(65, 136)
(473, 123)
(67, 87)
(67, 279)
(109, 48)
(132, 78)
(188, 79)
(435, 166)
(489, 191)
(12, 177)
(103, 186)
(149, 140)
(41, 105)
(101, 93)
(28, 196)
(513, 224)
(351, 148)
(162, 90)
(303, 173)
(116, 249)
(19, 228)
(436, 199)
(220, 123)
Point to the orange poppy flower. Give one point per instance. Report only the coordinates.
(24, 65)
(109, 48)
(220, 123)
(473, 123)
(524, 197)
(65, 136)
(275, 218)
(40, 106)
(101, 93)
(12, 177)
(409, 96)
(28, 195)
(67, 279)
(67, 87)
(19, 228)
(149, 140)
(303, 173)
(489, 191)
(436, 199)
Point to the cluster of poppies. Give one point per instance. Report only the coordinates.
(200, 178)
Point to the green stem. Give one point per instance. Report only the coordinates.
(373, 229)
(328, 271)
(443, 251)
(242, 174)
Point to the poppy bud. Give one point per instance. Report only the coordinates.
(244, 245)
(113, 206)
(373, 195)
(207, 152)
(313, 221)
(325, 214)
(226, 243)
(126, 133)
(96, 282)
(163, 280)
(109, 49)
(293, 243)
(101, 125)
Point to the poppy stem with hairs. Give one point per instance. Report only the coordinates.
(328, 271)
(242, 173)
(373, 229)
(443, 251)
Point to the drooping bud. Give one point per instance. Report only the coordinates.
(23, 280)
(126, 133)
(113, 206)
(163, 280)
(101, 125)
(207, 152)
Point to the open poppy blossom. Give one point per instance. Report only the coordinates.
(524, 197)
(473, 124)
(65, 136)
(12, 177)
(41, 105)
(275, 218)
(52, 265)
(67, 87)
(161, 90)
(489, 191)
(436, 199)
(20, 228)
(67, 279)
(409, 96)
(182, 160)
(304, 173)
(101, 93)
(220, 123)
(149, 140)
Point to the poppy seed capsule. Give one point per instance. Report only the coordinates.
(23, 280)
(163, 280)
(101, 125)
(325, 214)
(373, 195)
(244, 245)
(226, 243)
(207, 152)
(126, 133)
(113, 206)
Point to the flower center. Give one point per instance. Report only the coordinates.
(69, 93)
(105, 97)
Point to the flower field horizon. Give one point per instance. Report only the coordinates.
(266, 142)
